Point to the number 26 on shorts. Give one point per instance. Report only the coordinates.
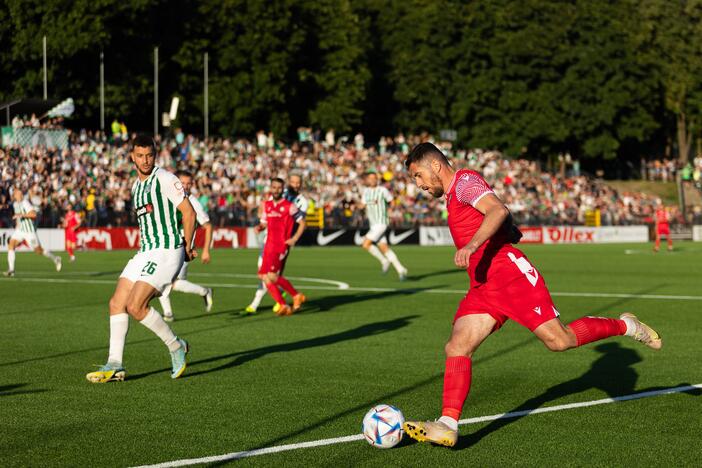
(149, 269)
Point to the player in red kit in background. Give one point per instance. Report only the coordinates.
(662, 218)
(71, 222)
(279, 219)
(503, 285)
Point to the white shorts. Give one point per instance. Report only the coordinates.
(30, 238)
(157, 267)
(376, 234)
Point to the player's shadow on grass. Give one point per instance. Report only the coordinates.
(242, 357)
(325, 303)
(611, 373)
(11, 390)
(431, 274)
(362, 407)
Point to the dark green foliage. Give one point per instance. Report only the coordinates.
(595, 78)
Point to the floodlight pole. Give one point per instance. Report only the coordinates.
(206, 106)
(45, 74)
(155, 91)
(102, 92)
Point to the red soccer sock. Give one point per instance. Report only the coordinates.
(69, 250)
(658, 243)
(275, 293)
(457, 378)
(286, 285)
(589, 329)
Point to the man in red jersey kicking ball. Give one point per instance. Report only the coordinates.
(279, 219)
(503, 285)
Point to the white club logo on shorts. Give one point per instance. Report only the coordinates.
(525, 267)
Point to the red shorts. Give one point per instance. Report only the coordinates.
(663, 229)
(273, 261)
(71, 236)
(514, 289)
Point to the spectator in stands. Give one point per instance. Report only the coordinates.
(116, 131)
(91, 211)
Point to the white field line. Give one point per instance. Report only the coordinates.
(353, 438)
(371, 289)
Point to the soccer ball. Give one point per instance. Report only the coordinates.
(382, 426)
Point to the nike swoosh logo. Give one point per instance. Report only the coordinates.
(358, 238)
(324, 240)
(396, 239)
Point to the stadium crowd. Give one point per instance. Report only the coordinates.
(95, 176)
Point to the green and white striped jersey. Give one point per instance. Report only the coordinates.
(24, 224)
(376, 200)
(155, 200)
(201, 217)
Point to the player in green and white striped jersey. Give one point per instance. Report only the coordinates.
(181, 283)
(156, 196)
(24, 217)
(375, 199)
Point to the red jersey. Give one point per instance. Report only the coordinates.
(661, 216)
(71, 219)
(280, 218)
(465, 190)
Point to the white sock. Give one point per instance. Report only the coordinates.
(630, 326)
(188, 287)
(166, 305)
(49, 255)
(119, 325)
(390, 255)
(154, 322)
(258, 297)
(375, 251)
(11, 260)
(450, 422)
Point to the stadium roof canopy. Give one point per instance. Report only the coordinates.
(24, 107)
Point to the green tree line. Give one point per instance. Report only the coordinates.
(596, 78)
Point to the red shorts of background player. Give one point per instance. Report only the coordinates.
(663, 229)
(273, 261)
(71, 236)
(514, 290)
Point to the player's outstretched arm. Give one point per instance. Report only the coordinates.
(495, 214)
(186, 209)
(208, 241)
(301, 224)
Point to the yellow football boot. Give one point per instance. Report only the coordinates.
(108, 373)
(431, 431)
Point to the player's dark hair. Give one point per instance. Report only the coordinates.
(144, 141)
(424, 150)
(182, 172)
(278, 179)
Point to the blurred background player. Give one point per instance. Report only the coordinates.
(662, 217)
(279, 219)
(292, 194)
(24, 217)
(156, 197)
(71, 222)
(181, 283)
(503, 285)
(375, 199)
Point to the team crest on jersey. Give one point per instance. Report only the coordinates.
(143, 210)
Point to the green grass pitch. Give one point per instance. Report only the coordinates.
(261, 381)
